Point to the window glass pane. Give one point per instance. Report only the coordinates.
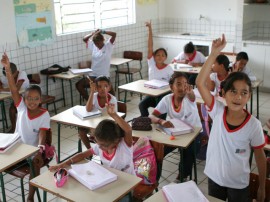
(77, 27)
(78, 8)
(114, 22)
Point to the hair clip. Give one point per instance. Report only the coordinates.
(60, 177)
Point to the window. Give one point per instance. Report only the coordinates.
(82, 15)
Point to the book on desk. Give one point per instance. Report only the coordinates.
(80, 71)
(80, 111)
(8, 140)
(156, 84)
(187, 191)
(180, 127)
(92, 175)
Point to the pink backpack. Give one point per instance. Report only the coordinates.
(144, 160)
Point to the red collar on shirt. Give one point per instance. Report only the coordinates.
(107, 156)
(42, 111)
(109, 99)
(193, 56)
(180, 105)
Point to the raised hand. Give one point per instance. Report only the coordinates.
(5, 62)
(218, 45)
(110, 109)
(93, 86)
(148, 24)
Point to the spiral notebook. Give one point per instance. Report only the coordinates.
(92, 175)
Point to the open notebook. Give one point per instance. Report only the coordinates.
(92, 175)
(80, 111)
(7, 140)
(80, 71)
(183, 192)
(180, 127)
(156, 84)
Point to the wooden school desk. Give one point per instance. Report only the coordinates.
(138, 87)
(68, 118)
(13, 156)
(180, 141)
(63, 76)
(73, 190)
(159, 197)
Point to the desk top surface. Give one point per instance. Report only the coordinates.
(8, 94)
(159, 197)
(67, 117)
(119, 61)
(16, 154)
(256, 83)
(138, 87)
(65, 75)
(73, 190)
(182, 141)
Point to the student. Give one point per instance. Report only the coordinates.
(220, 71)
(157, 69)
(97, 100)
(234, 131)
(180, 104)
(32, 121)
(22, 82)
(101, 56)
(240, 65)
(192, 57)
(114, 145)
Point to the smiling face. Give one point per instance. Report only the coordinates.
(179, 86)
(238, 96)
(32, 99)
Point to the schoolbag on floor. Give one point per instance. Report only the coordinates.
(144, 160)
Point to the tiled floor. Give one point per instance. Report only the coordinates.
(69, 140)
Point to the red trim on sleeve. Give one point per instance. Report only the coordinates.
(260, 146)
(156, 112)
(17, 104)
(212, 104)
(44, 129)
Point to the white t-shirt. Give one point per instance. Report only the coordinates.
(111, 99)
(247, 71)
(228, 152)
(215, 79)
(27, 127)
(159, 74)
(199, 57)
(21, 77)
(187, 113)
(101, 58)
(121, 160)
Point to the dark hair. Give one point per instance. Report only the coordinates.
(227, 84)
(189, 48)
(176, 75)
(108, 131)
(223, 60)
(33, 87)
(161, 49)
(98, 37)
(13, 69)
(102, 78)
(242, 55)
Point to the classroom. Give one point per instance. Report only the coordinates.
(44, 41)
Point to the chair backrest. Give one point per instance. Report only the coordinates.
(84, 64)
(34, 78)
(135, 55)
(122, 107)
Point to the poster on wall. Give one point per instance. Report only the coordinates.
(34, 22)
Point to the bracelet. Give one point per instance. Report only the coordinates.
(41, 146)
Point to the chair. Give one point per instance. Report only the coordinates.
(122, 107)
(82, 83)
(143, 191)
(45, 99)
(254, 185)
(22, 169)
(129, 71)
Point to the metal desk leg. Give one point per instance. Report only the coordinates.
(195, 165)
(63, 92)
(258, 104)
(71, 93)
(2, 187)
(181, 165)
(59, 131)
(34, 175)
(44, 196)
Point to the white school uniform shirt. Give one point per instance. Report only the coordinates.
(156, 73)
(101, 58)
(187, 113)
(122, 159)
(199, 57)
(247, 71)
(28, 128)
(22, 76)
(111, 99)
(228, 152)
(215, 79)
